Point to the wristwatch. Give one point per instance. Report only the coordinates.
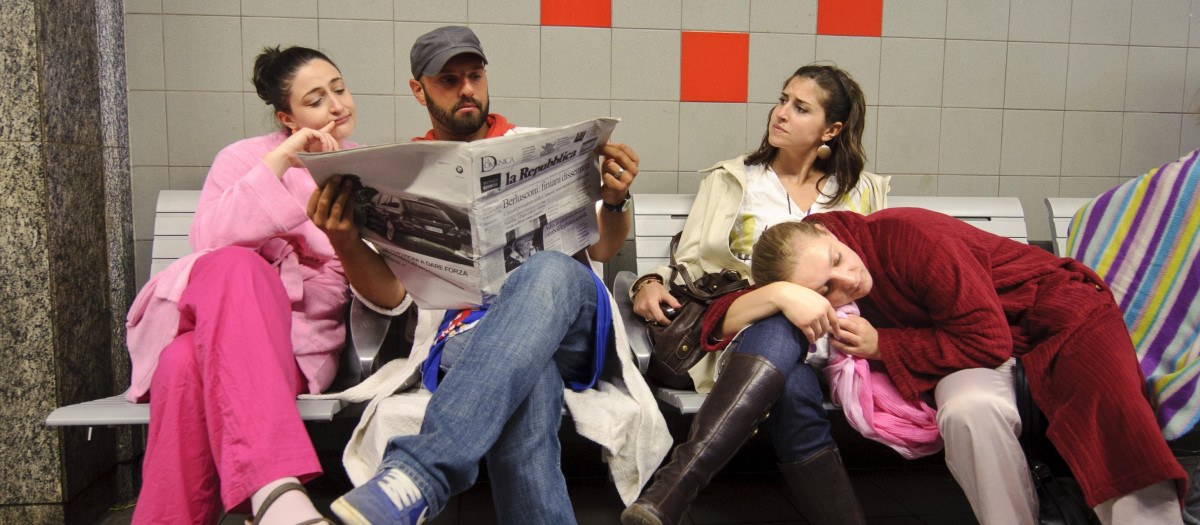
(619, 208)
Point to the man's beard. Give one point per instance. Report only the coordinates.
(460, 125)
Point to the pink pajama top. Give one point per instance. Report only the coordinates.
(244, 204)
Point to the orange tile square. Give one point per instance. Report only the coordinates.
(578, 13)
(850, 17)
(713, 67)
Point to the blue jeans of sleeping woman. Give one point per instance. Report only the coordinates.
(502, 395)
(798, 424)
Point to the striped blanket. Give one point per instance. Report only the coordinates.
(1142, 237)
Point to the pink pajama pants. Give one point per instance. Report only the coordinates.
(223, 398)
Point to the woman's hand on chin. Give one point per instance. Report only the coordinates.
(303, 140)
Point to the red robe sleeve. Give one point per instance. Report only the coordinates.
(713, 317)
(938, 291)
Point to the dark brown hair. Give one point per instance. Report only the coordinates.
(274, 70)
(774, 256)
(844, 102)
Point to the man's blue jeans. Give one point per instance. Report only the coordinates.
(502, 396)
(798, 424)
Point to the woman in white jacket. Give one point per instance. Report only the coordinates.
(810, 160)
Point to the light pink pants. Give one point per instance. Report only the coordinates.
(223, 399)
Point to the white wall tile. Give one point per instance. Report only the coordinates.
(1191, 88)
(375, 122)
(141, 263)
(974, 74)
(258, 118)
(1100, 21)
(212, 66)
(869, 140)
(1091, 77)
(143, 6)
(689, 181)
(652, 130)
(647, 14)
(1156, 79)
(977, 19)
(200, 124)
(1148, 140)
(444, 11)
(519, 111)
(412, 119)
(514, 69)
(758, 115)
(1086, 186)
(1039, 21)
(564, 74)
(1036, 76)
(258, 33)
(187, 177)
(564, 111)
(212, 7)
(908, 140)
(970, 142)
(969, 185)
(1189, 138)
(147, 128)
(654, 182)
(910, 72)
(1033, 192)
(356, 9)
(1091, 144)
(504, 12)
(915, 18)
(639, 75)
(1160, 23)
(783, 16)
(858, 56)
(1194, 25)
(280, 8)
(773, 58)
(364, 51)
(1032, 143)
(144, 52)
(716, 15)
(145, 183)
(914, 185)
(709, 133)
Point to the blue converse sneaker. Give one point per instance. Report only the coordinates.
(389, 497)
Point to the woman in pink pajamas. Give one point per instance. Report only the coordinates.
(224, 339)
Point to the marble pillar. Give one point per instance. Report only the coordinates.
(65, 254)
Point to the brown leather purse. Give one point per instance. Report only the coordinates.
(677, 345)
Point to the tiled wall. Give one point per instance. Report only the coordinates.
(1032, 98)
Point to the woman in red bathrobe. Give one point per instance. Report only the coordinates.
(947, 296)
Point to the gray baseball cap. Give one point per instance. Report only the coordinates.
(432, 50)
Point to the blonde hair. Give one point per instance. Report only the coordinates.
(774, 256)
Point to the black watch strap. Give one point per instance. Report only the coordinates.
(619, 208)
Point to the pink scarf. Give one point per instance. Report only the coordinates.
(874, 406)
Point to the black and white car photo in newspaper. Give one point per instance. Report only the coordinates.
(453, 219)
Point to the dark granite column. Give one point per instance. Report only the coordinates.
(66, 252)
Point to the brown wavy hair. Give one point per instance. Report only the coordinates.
(844, 102)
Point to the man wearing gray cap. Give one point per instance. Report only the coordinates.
(499, 384)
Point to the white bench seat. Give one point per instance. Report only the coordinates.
(1062, 210)
(116, 410)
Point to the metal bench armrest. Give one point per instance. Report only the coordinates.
(635, 326)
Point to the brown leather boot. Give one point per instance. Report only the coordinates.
(739, 401)
(823, 489)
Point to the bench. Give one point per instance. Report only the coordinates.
(657, 218)
(1062, 210)
(173, 218)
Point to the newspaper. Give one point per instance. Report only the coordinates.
(453, 219)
